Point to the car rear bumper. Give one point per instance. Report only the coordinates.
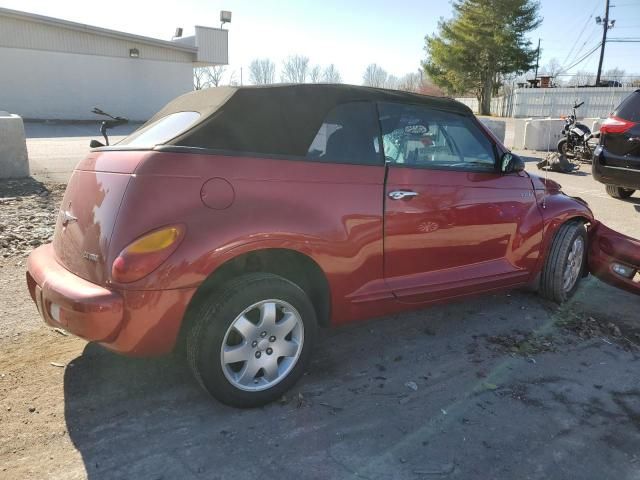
(138, 323)
(613, 175)
(609, 248)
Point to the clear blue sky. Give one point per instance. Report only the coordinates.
(349, 33)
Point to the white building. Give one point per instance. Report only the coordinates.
(55, 69)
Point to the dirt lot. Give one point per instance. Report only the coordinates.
(501, 386)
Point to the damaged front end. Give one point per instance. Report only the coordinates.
(614, 258)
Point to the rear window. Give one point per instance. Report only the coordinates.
(629, 109)
(161, 131)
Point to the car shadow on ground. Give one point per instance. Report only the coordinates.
(411, 396)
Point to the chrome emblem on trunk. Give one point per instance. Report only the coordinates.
(67, 217)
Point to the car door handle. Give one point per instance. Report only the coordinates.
(400, 194)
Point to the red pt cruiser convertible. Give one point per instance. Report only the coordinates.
(238, 220)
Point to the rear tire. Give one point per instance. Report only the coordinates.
(619, 192)
(565, 263)
(225, 348)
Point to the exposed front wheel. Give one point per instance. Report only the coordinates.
(565, 262)
(619, 192)
(251, 342)
(562, 146)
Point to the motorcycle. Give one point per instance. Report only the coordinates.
(575, 142)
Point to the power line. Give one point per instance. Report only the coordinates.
(592, 33)
(583, 58)
(581, 32)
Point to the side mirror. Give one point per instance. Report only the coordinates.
(510, 163)
(96, 144)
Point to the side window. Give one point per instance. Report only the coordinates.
(418, 136)
(349, 134)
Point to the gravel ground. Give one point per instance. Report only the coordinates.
(499, 387)
(28, 212)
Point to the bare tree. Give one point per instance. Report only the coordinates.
(295, 69)
(552, 68)
(262, 71)
(614, 75)
(411, 82)
(215, 74)
(315, 74)
(331, 75)
(581, 78)
(392, 82)
(233, 79)
(200, 78)
(375, 76)
(206, 77)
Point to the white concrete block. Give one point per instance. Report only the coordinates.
(519, 125)
(543, 134)
(497, 127)
(14, 162)
(594, 124)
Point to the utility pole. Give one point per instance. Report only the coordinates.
(535, 77)
(605, 27)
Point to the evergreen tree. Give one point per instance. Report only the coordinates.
(484, 40)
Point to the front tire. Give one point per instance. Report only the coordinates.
(565, 263)
(562, 146)
(619, 192)
(249, 343)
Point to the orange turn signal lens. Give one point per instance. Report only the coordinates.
(158, 240)
(145, 254)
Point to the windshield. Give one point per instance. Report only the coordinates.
(161, 130)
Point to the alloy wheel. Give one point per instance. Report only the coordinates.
(262, 345)
(573, 267)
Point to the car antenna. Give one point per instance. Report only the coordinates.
(106, 125)
(546, 170)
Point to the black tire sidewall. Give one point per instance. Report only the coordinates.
(562, 143)
(619, 192)
(580, 232)
(215, 319)
(552, 276)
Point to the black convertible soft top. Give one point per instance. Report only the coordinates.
(275, 119)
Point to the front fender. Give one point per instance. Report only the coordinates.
(557, 209)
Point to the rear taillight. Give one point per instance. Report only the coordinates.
(615, 125)
(145, 254)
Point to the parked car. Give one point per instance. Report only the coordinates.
(238, 220)
(616, 159)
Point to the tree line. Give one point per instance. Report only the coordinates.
(482, 49)
(299, 69)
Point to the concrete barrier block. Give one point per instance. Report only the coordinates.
(595, 124)
(497, 127)
(14, 162)
(543, 134)
(517, 141)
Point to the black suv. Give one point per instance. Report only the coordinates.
(616, 160)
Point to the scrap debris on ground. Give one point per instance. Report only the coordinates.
(588, 327)
(28, 212)
(523, 343)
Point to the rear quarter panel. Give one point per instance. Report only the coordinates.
(330, 212)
